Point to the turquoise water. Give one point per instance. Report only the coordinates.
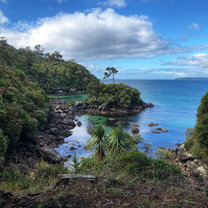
(176, 103)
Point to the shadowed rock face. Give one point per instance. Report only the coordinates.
(25, 154)
(85, 108)
(191, 167)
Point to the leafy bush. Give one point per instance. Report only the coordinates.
(89, 163)
(164, 154)
(164, 170)
(200, 132)
(132, 163)
(112, 95)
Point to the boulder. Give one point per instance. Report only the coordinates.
(79, 123)
(63, 115)
(164, 130)
(47, 154)
(155, 132)
(73, 148)
(120, 123)
(134, 130)
(151, 105)
(54, 131)
(135, 125)
(69, 122)
(152, 124)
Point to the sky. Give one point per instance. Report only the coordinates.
(143, 39)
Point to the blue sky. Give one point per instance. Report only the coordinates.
(144, 39)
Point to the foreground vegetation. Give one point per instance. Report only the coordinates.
(125, 177)
(131, 179)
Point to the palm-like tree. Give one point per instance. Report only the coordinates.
(118, 141)
(98, 141)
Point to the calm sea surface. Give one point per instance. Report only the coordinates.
(176, 104)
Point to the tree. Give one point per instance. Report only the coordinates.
(39, 52)
(118, 141)
(56, 56)
(200, 133)
(98, 141)
(110, 71)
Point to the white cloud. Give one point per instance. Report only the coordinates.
(3, 19)
(94, 35)
(61, 1)
(194, 26)
(4, 1)
(198, 60)
(114, 3)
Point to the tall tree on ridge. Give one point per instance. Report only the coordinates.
(110, 71)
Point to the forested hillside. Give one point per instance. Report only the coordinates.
(23, 106)
(49, 70)
(26, 76)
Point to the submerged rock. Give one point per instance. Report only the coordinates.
(152, 124)
(164, 130)
(79, 123)
(134, 130)
(155, 132)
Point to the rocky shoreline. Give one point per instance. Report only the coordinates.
(27, 152)
(103, 110)
(61, 120)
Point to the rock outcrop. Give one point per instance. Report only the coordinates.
(103, 110)
(25, 154)
(191, 167)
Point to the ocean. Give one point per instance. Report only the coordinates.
(176, 103)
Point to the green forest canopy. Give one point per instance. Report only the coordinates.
(49, 70)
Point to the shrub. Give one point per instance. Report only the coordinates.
(112, 95)
(200, 132)
(45, 175)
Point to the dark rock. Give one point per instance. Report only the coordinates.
(31, 162)
(73, 148)
(151, 105)
(135, 125)
(69, 122)
(63, 115)
(152, 124)
(65, 133)
(134, 130)
(67, 157)
(120, 123)
(164, 130)
(155, 132)
(41, 127)
(54, 131)
(45, 153)
(79, 123)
